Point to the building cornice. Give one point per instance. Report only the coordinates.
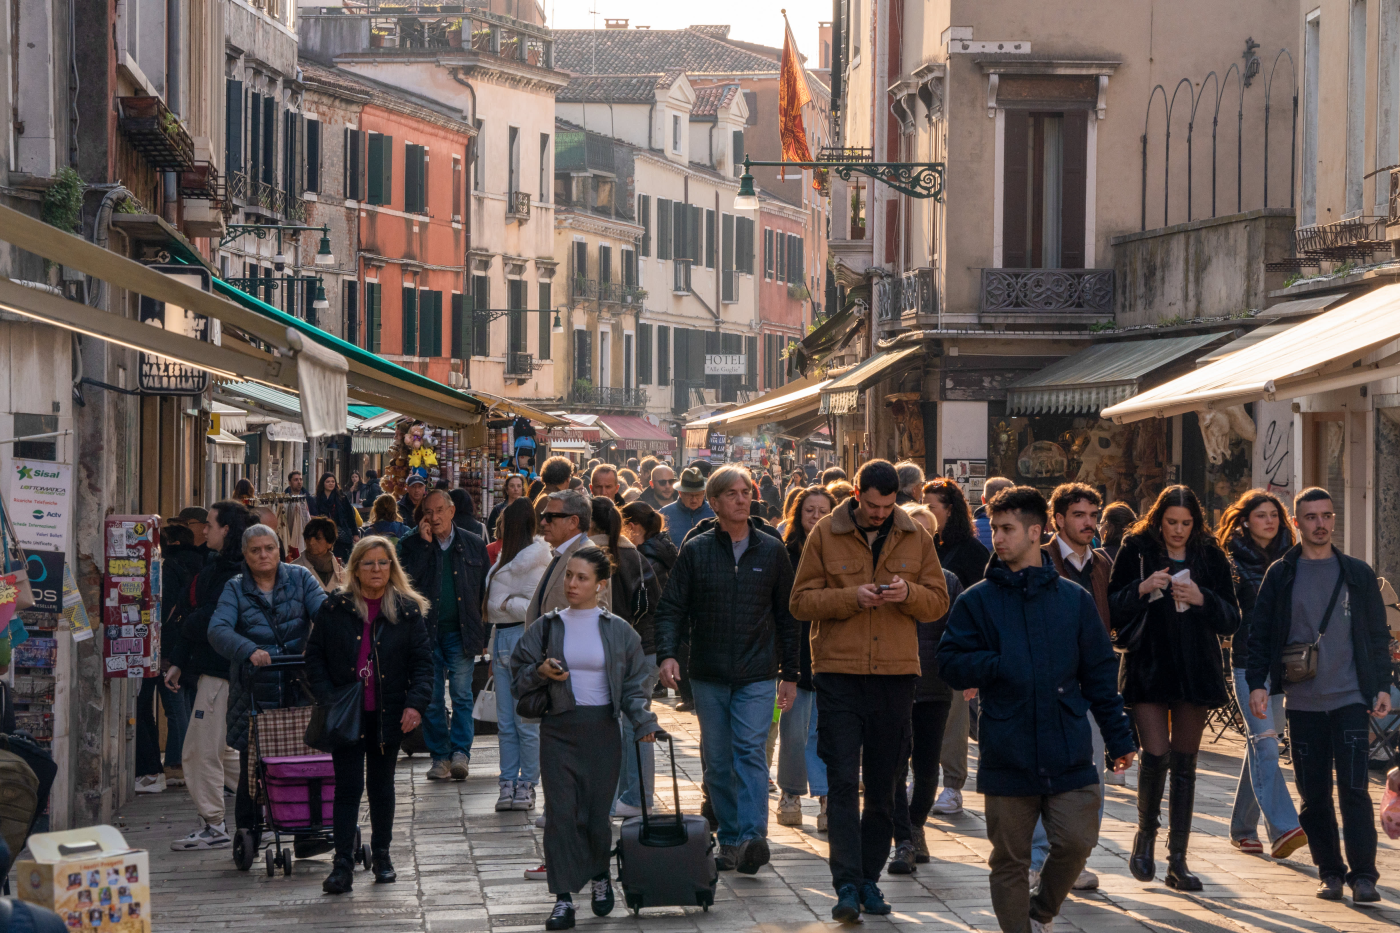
(594, 223)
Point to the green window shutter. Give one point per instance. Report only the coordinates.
(663, 228)
(459, 337)
(233, 126)
(437, 323)
(373, 295)
(644, 345)
(375, 164)
(410, 322)
(546, 337)
(411, 168)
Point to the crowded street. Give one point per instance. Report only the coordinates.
(461, 870)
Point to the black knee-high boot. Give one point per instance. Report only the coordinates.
(1152, 781)
(1183, 803)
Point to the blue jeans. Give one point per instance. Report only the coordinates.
(519, 740)
(734, 725)
(629, 789)
(453, 671)
(799, 768)
(177, 711)
(1040, 841)
(1262, 788)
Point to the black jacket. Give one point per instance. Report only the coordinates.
(403, 659)
(661, 552)
(708, 524)
(649, 497)
(1248, 564)
(804, 632)
(1273, 618)
(931, 685)
(468, 560)
(1180, 659)
(338, 509)
(967, 559)
(741, 630)
(635, 593)
(189, 649)
(1033, 644)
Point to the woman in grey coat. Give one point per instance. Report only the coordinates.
(591, 665)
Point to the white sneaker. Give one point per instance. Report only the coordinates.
(524, 796)
(210, 837)
(507, 798)
(1046, 927)
(1033, 877)
(150, 784)
(949, 801)
(1087, 881)
(539, 821)
(789, 810)
(536, 874)
(622, 810)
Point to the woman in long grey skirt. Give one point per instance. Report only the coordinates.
(591, 663)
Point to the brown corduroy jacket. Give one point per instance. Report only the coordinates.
(836, 560)
(1100, 570)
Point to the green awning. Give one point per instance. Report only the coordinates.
(840, 396)
(831, 335)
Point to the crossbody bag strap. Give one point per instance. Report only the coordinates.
(1331, 603)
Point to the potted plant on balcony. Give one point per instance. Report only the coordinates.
(798, 292)
(454, 34)
(583, 388)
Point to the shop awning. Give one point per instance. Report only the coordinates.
(371, 443)
(573, 444)
(500, 404)
(1319, 355)
(566, 435)
(840, 396)
(793, 399)
(639, 434)
(385, 419)
(831, 335)
(278, 401)
(1099, 376)
(225, 448)
(230, 420)
(1258, 335)
(1299, 307)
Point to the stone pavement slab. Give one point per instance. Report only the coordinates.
(461, 869)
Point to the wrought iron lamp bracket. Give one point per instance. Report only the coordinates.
(261, 231)
(916, 179)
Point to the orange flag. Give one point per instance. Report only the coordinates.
(792, 95)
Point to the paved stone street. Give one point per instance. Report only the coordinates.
(460, 867)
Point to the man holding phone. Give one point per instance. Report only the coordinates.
(1034, 646)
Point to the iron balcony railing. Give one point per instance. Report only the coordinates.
(519, 364)
(1088, 290)
(608, 397)
(518, 205)
(610, 291)
(585, 288)
(909, 293)
(238, 186)
(296, 209)
(1356, 238)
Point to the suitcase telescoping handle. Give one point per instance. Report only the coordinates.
(661, 736)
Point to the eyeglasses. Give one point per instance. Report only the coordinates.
(663, 482)
(551, 516)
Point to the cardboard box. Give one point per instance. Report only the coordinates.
(90, 878)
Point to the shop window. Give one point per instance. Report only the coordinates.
(29, 425)
(1044, 189)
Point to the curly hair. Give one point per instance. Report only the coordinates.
(958, 527)
(793, 533)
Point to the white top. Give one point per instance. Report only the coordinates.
(559, 551)
(1070, 554)
(584, 656)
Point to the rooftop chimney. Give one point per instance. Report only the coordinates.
(614, 24)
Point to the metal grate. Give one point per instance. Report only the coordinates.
(1047, 290)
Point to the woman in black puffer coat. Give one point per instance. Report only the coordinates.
(1175, 675)
(646, 529)
(372, 631)
(331, 502)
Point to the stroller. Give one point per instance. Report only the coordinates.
(292, 784)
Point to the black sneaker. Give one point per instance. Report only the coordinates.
(847, 909)
(872, 901)
(902, 863)
(752, 855)
(342, 876)
(1330, 888)
(602, 897)
(1363, 891)
(562, 918)
(726, 858)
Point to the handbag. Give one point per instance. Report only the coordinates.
(1300, 658)
(1127, 638)
(484, 706)
(338, 722)
(534, 704)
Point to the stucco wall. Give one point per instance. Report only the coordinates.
(1207, 268)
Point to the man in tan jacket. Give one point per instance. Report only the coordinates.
(868, 575)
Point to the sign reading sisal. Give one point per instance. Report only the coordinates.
(39, 493)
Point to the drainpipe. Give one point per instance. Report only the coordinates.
(651, 119)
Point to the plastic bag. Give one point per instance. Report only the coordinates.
(1390, 804)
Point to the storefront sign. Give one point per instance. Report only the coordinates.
(39, 493)
(726, 364)
(158, 373)
(46, 579)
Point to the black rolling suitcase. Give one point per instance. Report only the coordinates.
(666, 862)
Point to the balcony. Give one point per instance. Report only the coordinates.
(238, 186)
(1342, 240)
(579, 151)
(1020, 292)
(156, 133)
(607, 397)
(518, 206)
(584, 288)
(610, 291)
(296, 209)
(264, 195)
(680, 276)
(633, 295)
(519, 365)
(908, 299)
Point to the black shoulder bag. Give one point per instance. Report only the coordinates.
(1300, 658)
(534, 704)
(1127, 638)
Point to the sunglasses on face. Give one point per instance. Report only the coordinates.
(664, 482)
(550, 516)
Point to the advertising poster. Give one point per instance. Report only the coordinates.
(39, 494)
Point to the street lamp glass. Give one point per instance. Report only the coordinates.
(323, 255)
(747, 198)
(558, 327)
(320, 304)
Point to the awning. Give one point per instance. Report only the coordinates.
(230, 420)
(1258, 335)
(840, 396)
(639, 434)
(225, 448)
(288, 432)
(370, 443)
(277, 401)
(569, 443)
(510, 406)
(1303, 306)
(1099, 376)
(1319, 355)
(556, 436)
(793, 399)
(831, 335)
(383, 420)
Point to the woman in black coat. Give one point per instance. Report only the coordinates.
(372, 631)
(331, 502)
(956, 541)
(646, 529)
(1173, 580)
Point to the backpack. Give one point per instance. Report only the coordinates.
(19, 799)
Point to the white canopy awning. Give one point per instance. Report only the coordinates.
(1318, 355)
(225, 448)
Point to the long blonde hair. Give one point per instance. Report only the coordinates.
(398, 587)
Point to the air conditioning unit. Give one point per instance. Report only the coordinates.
(456, 380)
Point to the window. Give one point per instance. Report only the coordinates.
(604, 264)
(350, 308)
(743, 245)
(629, 268)
(628, 344)
(675, 133)
(373, 321)
(709, 239)
(1312, 38)
(461, 331)
(644, 347)
(481, 324)
(680, 246)
(1044, 189)
(580, 260)
(27, 426)
(738, 153)
(1356, 107)
(751, 363)
(545, 173)
(583, 355)
(513, 165)
(767, 252)
(780, 256)
(795, 265)
(269, 141)
(233, 126)
(663, 355)
(644, 218)
(379, 161)
(478, 142)
(255, 125)
(410, 321)
(546, 322)
(354, 165)
(456, 188)
(515, 331)
(313, 156)
(770, 358)
(663, 228)
(728, 287)
(415, 171)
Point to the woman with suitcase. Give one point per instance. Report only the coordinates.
(589, 664)
(373, 631)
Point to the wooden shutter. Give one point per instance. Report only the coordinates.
(1072, 220)
(460, 336)
(709, 239)
(233, 126)
(373, 314)
(350, 299)
(481, 325)
(738, 153)
(663, 228)
(644, 217)
(412, 172)
(1013, 200)
(409, 332)
(313, 156)
(254, 141)
(386, 183)
(374, 161)
(680, 244)
(751, 363)
(644, 345)
(780, 243)
(355, 165)
(663, 355)
(546, 337)
(269, 159)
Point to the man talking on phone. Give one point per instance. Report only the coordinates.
(1034, 646)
